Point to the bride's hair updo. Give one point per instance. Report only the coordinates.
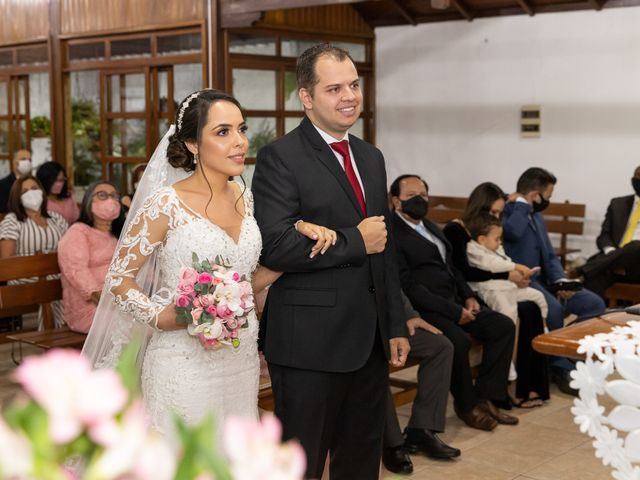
(191, 117)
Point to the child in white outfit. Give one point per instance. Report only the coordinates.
(485, 252)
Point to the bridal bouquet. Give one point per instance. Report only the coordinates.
(214, 301)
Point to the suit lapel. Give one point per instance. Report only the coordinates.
(326, 156)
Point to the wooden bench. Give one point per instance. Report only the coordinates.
(562, 218)
(23, 297)
(622, 292)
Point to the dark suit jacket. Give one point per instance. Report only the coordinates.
(615, 222)
(526, 241)
(5, 187)
(323, 313)
(431, 284)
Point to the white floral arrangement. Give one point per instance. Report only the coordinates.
(616, 434)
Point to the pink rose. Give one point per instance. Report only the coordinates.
(235, 277)
(188, 275)
(211, 310)
(225, 312)
(186, 288)
(183, 301)
(205, 277)
(205, 301)
(232, 323)
(196, 302)
(196, 313)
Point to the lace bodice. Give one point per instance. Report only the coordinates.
(170, 230)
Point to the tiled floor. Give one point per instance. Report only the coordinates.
(546, 445)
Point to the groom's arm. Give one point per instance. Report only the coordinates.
(277, 208)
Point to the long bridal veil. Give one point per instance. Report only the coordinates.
(112, 329)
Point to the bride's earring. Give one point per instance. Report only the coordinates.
(195, 158)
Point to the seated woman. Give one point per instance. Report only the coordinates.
(532, 385)
(29, 229)
(85, 252)
(59, 199)
(136, 175)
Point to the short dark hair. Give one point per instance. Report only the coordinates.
(14, 205)
(481, 224)
(306, 63)
(481, 199)
(86, 215)
(47, 174)
(535, 178)
(394, 189)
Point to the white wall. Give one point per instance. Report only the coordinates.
(449, 98)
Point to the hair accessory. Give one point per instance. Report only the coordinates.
(185, 104)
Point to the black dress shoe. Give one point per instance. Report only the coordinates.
(561, 378)
(425, 441)
(396, 460)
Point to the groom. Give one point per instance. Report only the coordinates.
(331, 322)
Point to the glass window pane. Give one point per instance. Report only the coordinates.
(86, 51)
(127, 92)
(291, 100)
(262, 131)
(179, 44)
(85, 127)
(38, 55)
(4, 98)
(163, 90)
(358, 128)
(131, 48)
(116, 173)
(22, 97)
(358, 51)
(127, 138)
(290, 123)
(255, 89)
(22, 129)
(248, 44)
(186, 80)
(293, 48)
(113, 85)
(163, 126)
(4, 136)
(39, 104)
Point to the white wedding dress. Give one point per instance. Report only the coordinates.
(178, 375)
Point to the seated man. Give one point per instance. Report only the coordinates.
(435, 354)
(20, 165)
(437, 290)
(526, 241)
(619, 244)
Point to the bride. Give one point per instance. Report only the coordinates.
(186, 204)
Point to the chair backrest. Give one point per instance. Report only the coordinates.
(565, 218)
(444, 209)
(21, 298)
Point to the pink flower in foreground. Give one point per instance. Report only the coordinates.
(74, 396)
(196, 313)
(211, 310)
(205, 277)
(255, 451)
(186, 288)
(183, 301)
(188, 275)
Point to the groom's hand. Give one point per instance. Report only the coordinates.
(374, 234)
(399, 347)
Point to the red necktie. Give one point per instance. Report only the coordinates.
(342, 148)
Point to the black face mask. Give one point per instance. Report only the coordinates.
(416, 207)
(541, 205)
(636, 185)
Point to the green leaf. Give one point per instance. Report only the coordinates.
(194, 259)
(127, 367)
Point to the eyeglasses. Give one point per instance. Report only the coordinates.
(104, 195)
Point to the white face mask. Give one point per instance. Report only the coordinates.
(24, 166)
(32, 199)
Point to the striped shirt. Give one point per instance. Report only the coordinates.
(30, 237)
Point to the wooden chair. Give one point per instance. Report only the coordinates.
(625, 292)
(565, 219)
(27, 297)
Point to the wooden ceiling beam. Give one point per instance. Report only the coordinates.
(462, 10)
(526, 7)
(404, 12)
(251, 6)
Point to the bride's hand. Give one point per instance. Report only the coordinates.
(167, 319)
(325, 237)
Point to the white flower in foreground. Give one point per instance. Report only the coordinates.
(588, 414)
(607, 445)
(589, 378)
(15, 453)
